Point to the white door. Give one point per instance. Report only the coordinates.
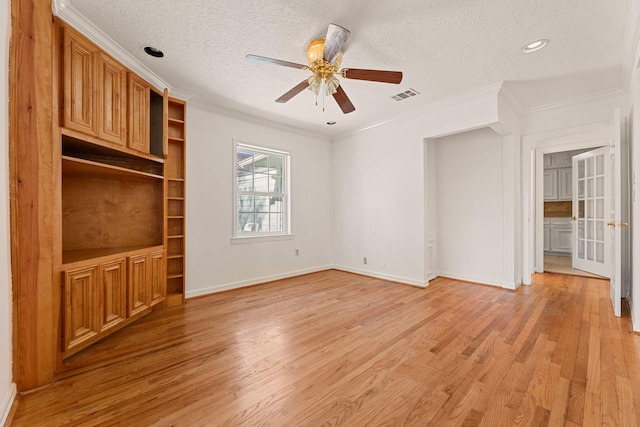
(600, 212)
(619, 217)
(592, 184)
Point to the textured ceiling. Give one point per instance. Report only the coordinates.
(444, 47)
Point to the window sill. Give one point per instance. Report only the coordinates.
(259, 239)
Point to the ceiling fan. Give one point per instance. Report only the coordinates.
(324, 57)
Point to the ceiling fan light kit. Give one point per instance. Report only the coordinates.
(324, 57)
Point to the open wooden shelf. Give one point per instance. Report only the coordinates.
(72, 165)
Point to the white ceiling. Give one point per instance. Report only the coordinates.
(444, 48)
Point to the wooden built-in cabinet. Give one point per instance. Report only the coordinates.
(175, 200)
(121, 194)
(105, 292)
(104, 103)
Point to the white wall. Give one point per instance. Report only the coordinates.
(469, 197)
(213, 262)
(378, 191)
(7, 388)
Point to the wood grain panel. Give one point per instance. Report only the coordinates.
(82, 317)
(112, 100)
(80, 58)
(139, 292)
(334, 348)
(35, 325)
(138, 114)
(113, 287)
(158, 277)
(103, 212)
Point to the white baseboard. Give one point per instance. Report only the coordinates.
(378, 275)
(254, 281)
(473, 279)
(6, 403)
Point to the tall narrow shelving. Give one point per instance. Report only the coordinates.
(175, 186)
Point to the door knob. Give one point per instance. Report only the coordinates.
(573, 218)
(611, 224)
(624, 224)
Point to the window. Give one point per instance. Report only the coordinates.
(262, 191)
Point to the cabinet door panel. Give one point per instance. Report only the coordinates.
(113, 309)
(158, 277)
(138, 114)
(112, 105)
(550, 184)
(561, 239)
(81, 301)
(565, 180)
(139, 284)
(79, 77)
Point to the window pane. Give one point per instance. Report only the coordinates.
(275, 165)
(261, 182)
(263, 221)
(262, 203)
(275, 222)
(275, 184)
(275, 204)
(245, 203)
(245, 180)
(261, 163)
(244, 160)
(246, 222)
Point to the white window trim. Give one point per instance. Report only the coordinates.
(263, 236)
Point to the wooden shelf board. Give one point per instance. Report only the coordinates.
(176, 139)
(176, 179)
(177, 236)
(174, 276)
(174, 120)
(175, 216)
(175, 256)
(72, 165)
(175, 198)
(71, 256)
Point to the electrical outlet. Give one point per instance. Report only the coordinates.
(297, 252)
(365, 260)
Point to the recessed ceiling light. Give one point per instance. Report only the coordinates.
(156, 53)
(535, 46)
(331, 123)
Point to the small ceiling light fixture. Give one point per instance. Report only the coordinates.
(152, 51)
(535, 46)
(331, 123)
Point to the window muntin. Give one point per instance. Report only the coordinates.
(261, 183)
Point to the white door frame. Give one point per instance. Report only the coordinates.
(534, 147)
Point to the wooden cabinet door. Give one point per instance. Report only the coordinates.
(138, 114)
(81, 302)
(138, 286)
(112, 100)
(158, 277)
(79, 78)
(113, 292)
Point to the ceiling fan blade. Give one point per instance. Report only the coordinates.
(343, 101)
(373, 75)
(293, 92)
(334, 42)
(276, 61)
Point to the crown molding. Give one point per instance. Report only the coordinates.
(180, 94)
(238, 115)
(592, 97)
(65, 11)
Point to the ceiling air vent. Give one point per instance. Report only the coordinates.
(406, 94)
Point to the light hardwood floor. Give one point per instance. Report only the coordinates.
(333, 348)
